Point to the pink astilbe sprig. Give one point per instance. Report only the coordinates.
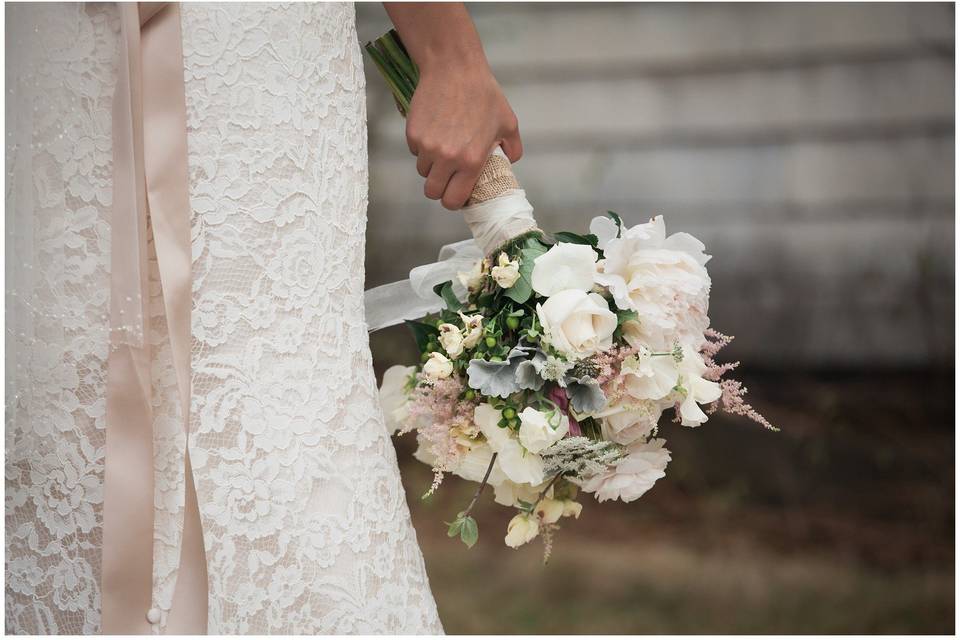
(435, 407)
(732, 391)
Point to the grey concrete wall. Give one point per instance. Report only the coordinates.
(810, 146)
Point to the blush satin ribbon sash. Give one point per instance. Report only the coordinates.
(150, 176)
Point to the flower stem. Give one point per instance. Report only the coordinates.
(483, 484)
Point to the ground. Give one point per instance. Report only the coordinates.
(841, 523)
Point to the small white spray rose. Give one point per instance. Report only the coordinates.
(451, 339)
(571, 508)
(471, 279)
(697, 389)
(473, 329)
(549, 510)
(393, 397)
(438, 366)
(578, 324)
(522, 529)
(539, 430)
(564, 266)
(507, 271)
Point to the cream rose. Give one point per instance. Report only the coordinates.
(473, 329)
(564, 266)
(451, 339)
(522, 529)
(393, 396)
(438, 366)
(663, 279)
(539, 430)
(471, 279)
(507, 271)
(576, 323)
(625, 423)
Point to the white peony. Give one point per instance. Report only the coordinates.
(522, 529)
(632, 476)
(393, 396)
(625, 423)
(576, 323)
(507, 271)
(649, 377)
(518, 464)
(696, 389)
(472, 279)
(472, 329)
(438, 366)
(539, 430)
(564, 266)
(451, 339)
(663, 279)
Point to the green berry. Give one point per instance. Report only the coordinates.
(469, 394)
(509, 413)
(496, 359)
(431, 346)
(513, 323)
(424, 357)
(490, 341)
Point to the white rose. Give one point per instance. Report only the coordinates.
(471, 279)
(627, 423)
(663, 279)
(393, 397)
(564, 266)
(576, 323)
(633, 475)
(518, 464)
(438, 366)
(473, 329)
(539, 430)
(522, 529)
(451, 339)
(696, 389)
(507, 271)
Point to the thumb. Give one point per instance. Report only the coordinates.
(512, 145)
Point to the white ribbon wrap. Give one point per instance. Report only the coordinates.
(492, 223)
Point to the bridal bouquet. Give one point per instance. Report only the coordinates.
(549, 360)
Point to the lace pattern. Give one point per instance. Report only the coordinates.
(305, 521)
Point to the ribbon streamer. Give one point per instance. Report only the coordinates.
(150, 181)
(492, 223)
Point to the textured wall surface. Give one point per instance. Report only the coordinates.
(811, 147)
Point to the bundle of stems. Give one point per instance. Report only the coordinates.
(396, 66)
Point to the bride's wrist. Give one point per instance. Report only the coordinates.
(446, 58)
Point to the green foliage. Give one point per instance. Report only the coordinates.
(465, 527)
(531, 249)
(423, 333)
(445, 291)
(576, 238)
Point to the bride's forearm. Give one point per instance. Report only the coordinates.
(438, 34)
(458, 113)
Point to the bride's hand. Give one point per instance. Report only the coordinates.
(459, 114)
(457, 117)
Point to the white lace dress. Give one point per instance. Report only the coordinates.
(305, 521)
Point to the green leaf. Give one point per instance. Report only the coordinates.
(626, 316)
(613, 215)
(575, 238)
(469, 532)
(422, 333)
(445, 291)
(454, 528)
(521, 291)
